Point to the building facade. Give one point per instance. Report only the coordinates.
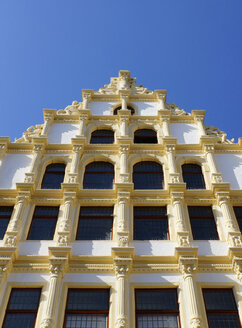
(121, 211)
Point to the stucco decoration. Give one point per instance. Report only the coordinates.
(123, 82)
(175, 110)
(32, 131)
(71, 109)
(221, 137)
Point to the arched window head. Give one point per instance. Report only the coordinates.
(99, 175)
(148, 175)
(54, 176)
(115, 112)
(192, 176)
(145, 136)
(102, 137)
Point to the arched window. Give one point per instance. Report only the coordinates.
(115, 112)
(54, 176)
(192, 175)
(148, 175)
(102, 137)
(99, 175)
(145, 136)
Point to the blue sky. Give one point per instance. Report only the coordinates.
(51, 49)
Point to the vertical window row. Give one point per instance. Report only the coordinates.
(5, 215)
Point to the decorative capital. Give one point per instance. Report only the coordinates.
(222, 197)
(199, 118)
(46, 323)
(84, 117)
(57, 266)
(170, 148)
(123, 239)
(77, 148)
(209, 148)
(165, 118)
(5, 262)
(3, 147)
(48, 117)
(196, 323)
(217, 178)
(235, 239)
(38, 148)
(122, 267)
(29, 177)
(237, 266)
(124, 149)
(121, 322)
(10, 239)
(72, 178)
(177, 198)
(174, 177)
(188, 266)
(63, 239)
(183, 239)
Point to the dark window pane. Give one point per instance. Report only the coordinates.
(88, 299)
(102, 137)
(219, 299)
(238, 214)
(202, 223)
(148, 175)
(115, 112)
(221, 308)
(150, 223)
(24, 299)
(20, 320)
(43, 223)
(95, 223)
(99, 175)
(157, 321)
(156, 299)
(86, 320)
(54, 176)
(223, 321)
(5, 215)
(192, 176)
(22, 308)
(145, 136)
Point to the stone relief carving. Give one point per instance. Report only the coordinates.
(176, 110)
(32, 131)
(71, 109)
(221, 137)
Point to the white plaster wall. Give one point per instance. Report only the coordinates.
(155, 248)
(94, 248)
(13, 168)
(83, 279)
(61, 133)
(154, 278)
(185, 133)
(216, 278)
(101, 107)
(211, 248)
(28, 278)
(147, 108)
(35, 247)
(230, 165)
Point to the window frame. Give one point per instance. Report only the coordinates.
(129, 107)
(190, 173)
(107, 137)
(45, 217)
(220, 311)
(86, 311)
(7, 311)
(211, 218)
(96, 217)
(145, 129)
(99, 172)
(150, 172)
(156, 217)
(157, 311)
(238, 216)
(2, 217)
(46, 174)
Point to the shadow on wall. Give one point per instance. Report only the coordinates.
(230, 165)
(13, 168)
(62, 133)
(185, 133)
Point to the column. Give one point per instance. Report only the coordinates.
(64, 229)
(165, 126)
(188, 268)
(124, 126)
(48, 120)
(173, 174)
(12, 233)
(82, 126)
(124, 102)
(5, 263)
(124, 175)
(199, 120)
(123, 219)
(180, 225)
(121, 267)
(215, 175)
(30, 176)
(86, 98)
(77, 150)
(56, 272)
(162, 101)
(232, 230)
